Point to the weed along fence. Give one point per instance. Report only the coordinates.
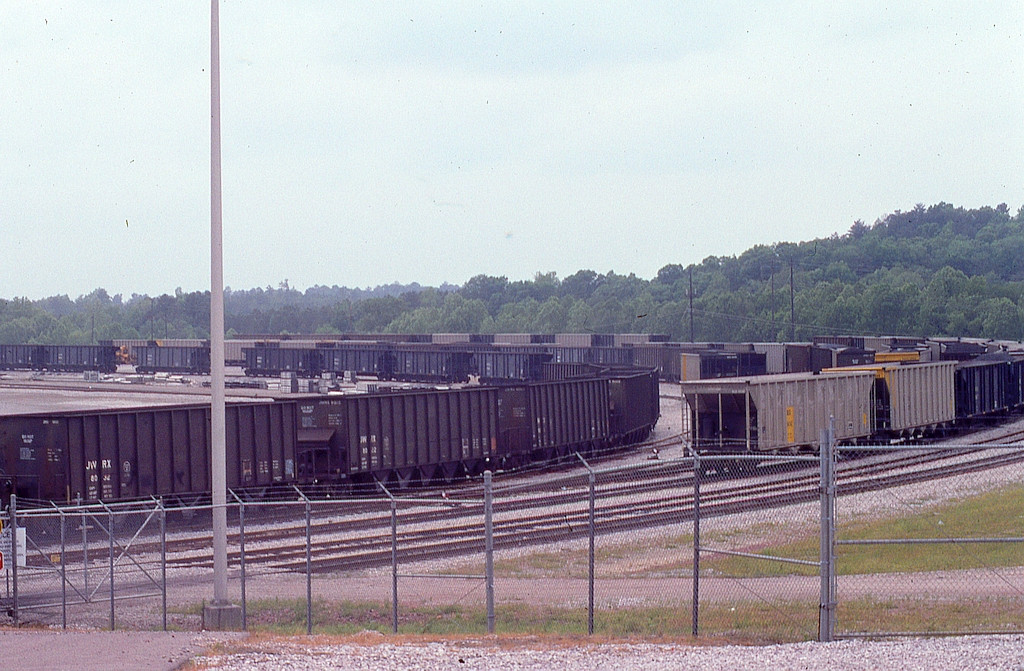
(859, 542)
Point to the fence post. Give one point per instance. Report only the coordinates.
(695, 615)
(63, 576)
(826, 607)
(110, 536)
(309, 561)
(14, 553)
(309, 566)
(163, 560)
(241, 555)
(394, 564)
(591, 521)
(833, 587)
(591, 532)
(85, 548)
(489, 549)
(394, 556)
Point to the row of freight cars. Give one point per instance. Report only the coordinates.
(385, 360)
(425, 363)
(407, 437)
(562, 339)
(455, 360)
(880, 402)
(233, 348)
(674, 361)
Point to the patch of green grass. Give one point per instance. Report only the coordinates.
(561, 563)
(995, 514)
(287, 617)
(929, 616)
(188, 609)
(573, 562)
(754, 621)
(999, 513)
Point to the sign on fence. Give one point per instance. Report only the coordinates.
(5, 547)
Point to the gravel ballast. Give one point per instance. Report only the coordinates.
(974, 652)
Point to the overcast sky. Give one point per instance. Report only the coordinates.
(372, 142)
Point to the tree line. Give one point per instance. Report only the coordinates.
(936, 270)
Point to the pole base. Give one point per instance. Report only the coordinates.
(223, 616)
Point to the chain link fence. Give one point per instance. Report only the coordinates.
(930, 541)
(862, 542)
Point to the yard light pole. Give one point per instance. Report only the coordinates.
(221, 614)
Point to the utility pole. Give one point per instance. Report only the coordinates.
(792, 306)
(221, 614)
(691, 303)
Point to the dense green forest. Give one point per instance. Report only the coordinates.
(938, 270)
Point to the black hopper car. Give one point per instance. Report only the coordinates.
(157, 358)
(334, 441)
(163, 451)
(59, 358)
(432, 436)
(409, 362)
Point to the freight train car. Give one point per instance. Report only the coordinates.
(140, 452)
(430, 436)
(772, 413)
(59, 358)
(903, 402)
(910, 400)
(406, 363)
(155, 358)
(94, 453)
(422, 436)
(437, 364)
(987, 386)
(634, 405)
(712, 364)
(267, 361)
(361, 358)
(496, 364)
(17, 357)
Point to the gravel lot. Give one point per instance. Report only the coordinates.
(1003, 652)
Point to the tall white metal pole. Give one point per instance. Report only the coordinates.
(218, 470)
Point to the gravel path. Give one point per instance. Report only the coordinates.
(996, 652)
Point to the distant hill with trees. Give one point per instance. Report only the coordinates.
(937, 270)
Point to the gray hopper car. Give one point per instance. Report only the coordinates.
(910, 400)
(772, 413)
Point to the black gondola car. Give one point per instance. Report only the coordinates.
(983, 386)
(634, 405)
(59, 358)
(155, 358)
(141, 452)
(421, 436)
(272, 361)
(425, 436)
(431, 364)
(492, 365)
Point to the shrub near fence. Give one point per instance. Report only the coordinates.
(800, 549)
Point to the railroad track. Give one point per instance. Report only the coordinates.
(656, 494)
(541, 520)
(276, 522)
